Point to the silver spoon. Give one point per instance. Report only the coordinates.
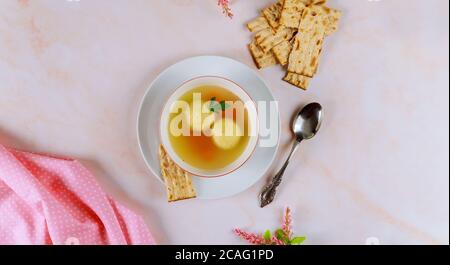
(306, 124)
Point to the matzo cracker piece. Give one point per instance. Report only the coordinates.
(273, 13)
(258, 24)
(178, 182)
(282, 51)
(291, 13)
(282, 34)
(330, 16)
(297, 80)
(314, 2)
(262, 59)
(264, 34)
(304, 57)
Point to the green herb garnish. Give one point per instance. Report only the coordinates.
(217, 107)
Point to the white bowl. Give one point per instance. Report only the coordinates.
(252, 128)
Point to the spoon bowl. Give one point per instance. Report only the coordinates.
(307, 122)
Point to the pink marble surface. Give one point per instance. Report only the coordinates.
(72, 74)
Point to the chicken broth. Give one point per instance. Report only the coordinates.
(217, 128)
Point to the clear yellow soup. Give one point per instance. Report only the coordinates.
(201, 151)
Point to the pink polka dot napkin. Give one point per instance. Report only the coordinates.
(48, 200)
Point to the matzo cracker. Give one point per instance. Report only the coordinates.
(330, 18)
(291, 13)
(273, 40)
(262, 59)
(273, 13)
(258, 24)
(297, 80)
(282, 51)
(304, 57)
(178, 182)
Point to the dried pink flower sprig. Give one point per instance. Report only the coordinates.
(281, 236)
(226, 10)
(250, 237)
(287, 223)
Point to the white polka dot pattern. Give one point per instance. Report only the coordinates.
(48, 200)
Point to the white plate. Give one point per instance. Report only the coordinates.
(161, 89)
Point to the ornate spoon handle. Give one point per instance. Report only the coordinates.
(269, 192)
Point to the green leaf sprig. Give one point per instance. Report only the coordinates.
(216, 106)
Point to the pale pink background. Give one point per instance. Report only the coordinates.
(72, 74)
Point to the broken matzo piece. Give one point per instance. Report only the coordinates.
(282, 51)
(258, 24)
(273, 40)
(291, 13)
(297, 80)
(262, 59)
(178, 182)
(304, 57)
(273, 13)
